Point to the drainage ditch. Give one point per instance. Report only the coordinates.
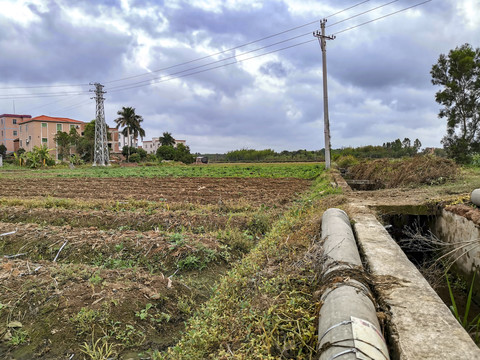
(426, 235)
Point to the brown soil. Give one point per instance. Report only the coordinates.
(103, 219)
(159, 252)
(467, 211)
(195, 190)
(161, 257)
(47, 300)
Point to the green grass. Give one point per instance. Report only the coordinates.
(287, 170)
(264, 307)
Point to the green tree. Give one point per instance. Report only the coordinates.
(167, 139)
(182, 153)
(458, 73)
(3, 150)
(63, 141)
(417, 145)
(85, 145)
(130, 122)
(165, 152)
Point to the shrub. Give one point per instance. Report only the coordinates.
(475, 161)
(165, 152)
(419, 170)
(135, 158)
(346, 161)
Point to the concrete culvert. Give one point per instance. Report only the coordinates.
(348, 327)
(475, 197)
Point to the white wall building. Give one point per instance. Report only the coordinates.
(123, 141)
(151, 146)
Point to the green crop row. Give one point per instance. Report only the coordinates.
(283, 170)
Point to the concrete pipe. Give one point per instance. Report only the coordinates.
(475, 197)
(348, 327)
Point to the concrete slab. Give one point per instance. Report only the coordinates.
(422, 326)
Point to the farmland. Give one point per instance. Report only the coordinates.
(124, 261)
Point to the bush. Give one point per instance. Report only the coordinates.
(165, 152)
(134, 158)
(419, 170)
(151, 158)
(346, 161)
(3, 150)
(475, 161)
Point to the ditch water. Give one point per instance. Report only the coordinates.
(418, 231)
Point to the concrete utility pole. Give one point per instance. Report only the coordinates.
(100, 154)
(323, 45)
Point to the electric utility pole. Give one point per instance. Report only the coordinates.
(100, 154)
(323, 45)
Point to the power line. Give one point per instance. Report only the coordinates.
(42, 95)
(215, 67)
(41, 86)
(6, 97)
(190, 61)
(381, 17)
(171, 77)
(50, 103)
(234, 48)
(74, 106)
(216, 61)
(362, 13)
(148, 81)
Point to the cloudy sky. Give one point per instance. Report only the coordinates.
(195, 68)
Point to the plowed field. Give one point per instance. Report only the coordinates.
(194, 190)
(118, 264)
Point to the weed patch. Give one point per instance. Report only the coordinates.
(419, 170)
(264, 307)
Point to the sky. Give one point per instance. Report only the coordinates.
(234, 74)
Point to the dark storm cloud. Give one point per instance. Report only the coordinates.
(229, 26)
(275, 69)
(54, 49)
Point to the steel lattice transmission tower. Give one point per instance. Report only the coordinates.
(100, 154)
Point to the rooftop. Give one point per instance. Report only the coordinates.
(16, 115)
(54, 119)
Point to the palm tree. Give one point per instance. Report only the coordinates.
(130, 122)
(167, 139)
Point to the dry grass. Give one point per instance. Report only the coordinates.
(420, 170)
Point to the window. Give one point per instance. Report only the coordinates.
(26, 128)
(14, 121)
(20, 128)
(44, 140)
(29, 137)
(21, 143)
(14, 133)
(72, 127)
(59, 127)
(44, 125)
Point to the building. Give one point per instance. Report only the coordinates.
(123, 140)
(41, 130)
(23, 131)
(151, 146)
(9, 129)
(114, 142)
